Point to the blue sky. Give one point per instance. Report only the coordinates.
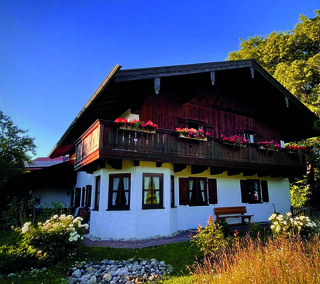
(55, 53)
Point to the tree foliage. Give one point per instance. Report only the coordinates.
(15, 149)
(292, 57)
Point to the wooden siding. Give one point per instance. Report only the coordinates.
(165, 146)
(222, 113)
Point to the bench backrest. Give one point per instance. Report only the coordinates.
(230, 210)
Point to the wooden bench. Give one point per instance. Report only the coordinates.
(222, 213)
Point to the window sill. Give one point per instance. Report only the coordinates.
(148, 208)
(118, 209)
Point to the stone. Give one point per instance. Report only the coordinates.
(107, 277)
(85, 278)
(130, 271)
(123, 271)
(72, 280)
(92, 280)
(76, 273)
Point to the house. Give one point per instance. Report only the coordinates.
(150, 182)
(48, 181)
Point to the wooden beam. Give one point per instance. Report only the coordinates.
(234, 172)
(116, 164)
(179, 167)
(247, 173)
(217, 170)
(159, 164)
(136, 163)
(197, 169)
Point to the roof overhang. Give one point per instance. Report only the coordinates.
(112, 95)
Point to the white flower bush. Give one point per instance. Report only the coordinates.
(289, 225)
(58, 238)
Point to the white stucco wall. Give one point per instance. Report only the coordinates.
(53, 195)
(83, 179)
(137, 223)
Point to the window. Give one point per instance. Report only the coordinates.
(193, 191)
(96, 193)
(77, 197)
(152, 191)
(88, 196)
(249, 136)
(119, 192)
(83, 196)
(172, 192)
(254, 191)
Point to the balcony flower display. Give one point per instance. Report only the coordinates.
(295, 148)
(270, 145)
(136, 125)
(235, 140)
(192, 133)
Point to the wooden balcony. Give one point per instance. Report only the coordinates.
(104, 141)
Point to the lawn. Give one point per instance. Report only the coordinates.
(246, 258)
(179, 255)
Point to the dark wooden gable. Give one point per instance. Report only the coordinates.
(242, 96)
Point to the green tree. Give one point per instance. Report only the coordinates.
(292, 57)
(15, 149)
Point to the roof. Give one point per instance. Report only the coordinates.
(112, 98)
(44, 162)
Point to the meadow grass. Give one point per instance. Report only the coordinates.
(248, 259)
(280, 260)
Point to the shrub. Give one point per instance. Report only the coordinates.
(284, 225)
(58, 239)
(210, 238)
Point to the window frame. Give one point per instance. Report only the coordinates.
(120, 191)
(198, 191)
(172, 192)
(247, 191)
(88, 196)
(77, 197)
(152, 191)
(97, 186)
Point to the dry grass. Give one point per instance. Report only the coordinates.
(286, 260)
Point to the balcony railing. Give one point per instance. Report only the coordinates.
(104, 140)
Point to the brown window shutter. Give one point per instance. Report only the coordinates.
(265, 193)
(244, 191)
(213, 196)
(183, 191)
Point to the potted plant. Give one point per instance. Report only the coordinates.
(136, 125)
(295, 149)
(192, 133)
(270, 145)
(235, 140)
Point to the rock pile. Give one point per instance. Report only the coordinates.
(112, 272)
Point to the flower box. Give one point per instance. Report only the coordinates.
(235, 141)
(268, 149)
(269, 146)
(136, 125)
(191, 133)
(134, 128)
(294, 149)
(181, 135)
(234, 145)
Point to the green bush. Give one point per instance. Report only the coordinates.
(58, 239)
(16, 258)
(282, 225)
(210, 239)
